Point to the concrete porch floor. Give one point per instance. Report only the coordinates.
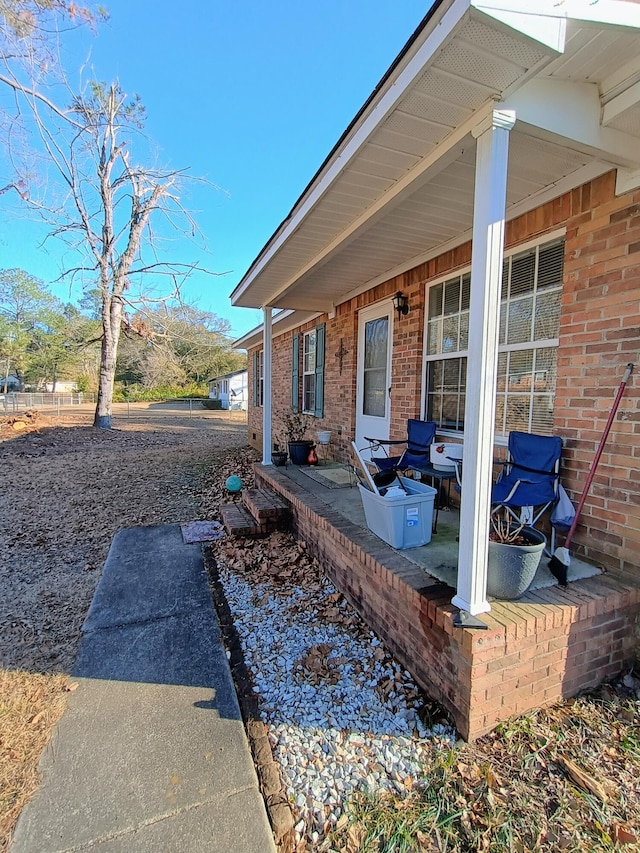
(548, 645)
(439, 558)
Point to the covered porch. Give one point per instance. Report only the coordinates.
(492, 121)
(548, 645)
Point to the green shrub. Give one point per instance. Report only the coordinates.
(138, 394)
(212, 404)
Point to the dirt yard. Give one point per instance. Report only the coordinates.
(566, 777)
(66, 489)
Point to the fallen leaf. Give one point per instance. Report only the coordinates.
(69, 688)
(582, 778)
(624, 835)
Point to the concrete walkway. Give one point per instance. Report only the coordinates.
(151, 753)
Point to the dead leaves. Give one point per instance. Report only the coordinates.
(583, 779)
(30, 706)
(318, 666)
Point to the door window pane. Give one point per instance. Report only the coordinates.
(375, 392)
(375, 344)
(376, 339)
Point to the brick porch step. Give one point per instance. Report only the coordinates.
(238, 521)
(257, 516)
(265, 505)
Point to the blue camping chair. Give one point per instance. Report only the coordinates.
(415, 457)
(528, 484)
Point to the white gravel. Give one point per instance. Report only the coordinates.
(342, 715)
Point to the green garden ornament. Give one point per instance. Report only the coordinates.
(234, 483)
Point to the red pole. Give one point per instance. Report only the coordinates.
(594, 464)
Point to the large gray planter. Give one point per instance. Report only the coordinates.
(512, 568)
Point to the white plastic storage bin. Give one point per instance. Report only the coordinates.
(404, 519)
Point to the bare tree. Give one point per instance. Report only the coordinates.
(107, 201)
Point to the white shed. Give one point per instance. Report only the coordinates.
(232, 390)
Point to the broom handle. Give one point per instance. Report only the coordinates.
(594, 464)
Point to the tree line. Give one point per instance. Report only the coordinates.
(171, 349)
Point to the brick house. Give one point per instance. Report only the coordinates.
(519, 128)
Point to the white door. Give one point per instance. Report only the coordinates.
(373, 387)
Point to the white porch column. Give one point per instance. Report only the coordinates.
(484, 318)
(266, 403)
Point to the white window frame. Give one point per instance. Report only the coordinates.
(501, 438)
(309, 371)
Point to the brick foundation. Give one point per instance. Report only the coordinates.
(547, 646)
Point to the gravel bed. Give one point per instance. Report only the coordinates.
(342, 715)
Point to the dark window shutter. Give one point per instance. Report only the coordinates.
(256, 380)
(295, 371)
(320, 347)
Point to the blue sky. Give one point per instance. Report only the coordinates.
(249, 95)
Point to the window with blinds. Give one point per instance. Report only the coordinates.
(528, 343)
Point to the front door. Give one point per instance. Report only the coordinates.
(373, 388)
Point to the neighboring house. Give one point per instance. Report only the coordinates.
(231, 389)
(492, 181)
(10, 382)
(63, 386)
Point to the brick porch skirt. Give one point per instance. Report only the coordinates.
(549, 645)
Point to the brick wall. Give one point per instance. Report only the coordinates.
(550, 645)
(599, 334)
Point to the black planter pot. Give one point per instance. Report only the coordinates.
(279, 458)
(299, 451)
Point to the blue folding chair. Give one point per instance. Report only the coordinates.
(528, 484)
(415, 457)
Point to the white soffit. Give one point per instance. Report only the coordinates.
(463, 61)
(401, 182)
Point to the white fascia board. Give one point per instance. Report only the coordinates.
(622, 102)
(572, 111)
(627, 180)
(620, 80)
(514, 12)
(441, 31)
(533, 19)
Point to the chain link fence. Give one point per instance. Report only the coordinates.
(14, 402)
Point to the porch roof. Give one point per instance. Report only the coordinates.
(398, 187)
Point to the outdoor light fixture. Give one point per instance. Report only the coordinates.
(401, 304)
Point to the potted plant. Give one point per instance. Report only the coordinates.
(278, 455)
(515, 551)
(295, 425)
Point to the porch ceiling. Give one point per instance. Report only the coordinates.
(399, 186)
